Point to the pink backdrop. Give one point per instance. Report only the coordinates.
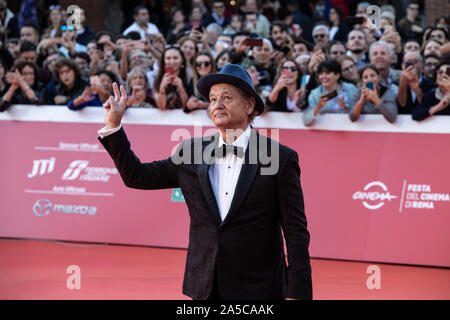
(77, 195)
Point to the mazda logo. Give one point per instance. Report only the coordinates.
(42, 207)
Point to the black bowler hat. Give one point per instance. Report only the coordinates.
(232, 74)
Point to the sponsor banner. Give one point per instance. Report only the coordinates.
(369, 196)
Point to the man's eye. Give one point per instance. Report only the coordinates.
(227, 98)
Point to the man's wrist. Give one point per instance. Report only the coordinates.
(105, 131)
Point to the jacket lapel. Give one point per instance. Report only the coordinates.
(203, 176)
(248, 172)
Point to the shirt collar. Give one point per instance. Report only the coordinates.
(221, 20)
(241, 141)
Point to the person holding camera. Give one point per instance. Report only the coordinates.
(204, 65)
(140, 95)
(436, 101)
(23, 87)
(171, 86)
(286, 92)
(412, 85)
(331, 96)
(372, 97)
(98, 91)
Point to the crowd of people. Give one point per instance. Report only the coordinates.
(328, 58)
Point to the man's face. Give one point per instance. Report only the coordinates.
(82, 63)
(432, 47)
(3, 5)
(413, 10)
(412, 46)
(229, 108)
(411, 56)
(430, 66)
(380, 57)
(320, 38)
(218, 8)
(336, 51)
(262, 54)
(251, 20)
(29, 56)
(142, 17)
(28, 34)
(121, 42)
(237, 40)
(299, 49)
(250, 6)
(356, 41)
(438, 35)
(278, 35)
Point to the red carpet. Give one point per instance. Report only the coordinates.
(37, 270)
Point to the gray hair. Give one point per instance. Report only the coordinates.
(137, 71)
(321, 27)
(215, 27)
(387, 8)
(364, 5)
(267, 41)
(382, 43)
(417, 54)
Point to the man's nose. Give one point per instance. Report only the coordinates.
(218, 104)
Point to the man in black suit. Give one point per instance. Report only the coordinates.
(239, 202)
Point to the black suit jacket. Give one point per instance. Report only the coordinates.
(245, 250)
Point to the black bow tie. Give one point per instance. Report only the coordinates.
(227, 149)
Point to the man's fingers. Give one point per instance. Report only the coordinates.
(116, 92)
(106, 105)
(112, 102)
(123, 92)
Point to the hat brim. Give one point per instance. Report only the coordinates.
(205, 83)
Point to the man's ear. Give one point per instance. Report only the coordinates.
(251, 105)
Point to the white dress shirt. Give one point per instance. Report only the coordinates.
(223, 173)
(151, 29)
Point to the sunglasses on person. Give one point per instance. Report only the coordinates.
(349, 68)
(67, 28)
(204, 63)
(289, 68)
(319, 36)
(54, 7)
(171, 46)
